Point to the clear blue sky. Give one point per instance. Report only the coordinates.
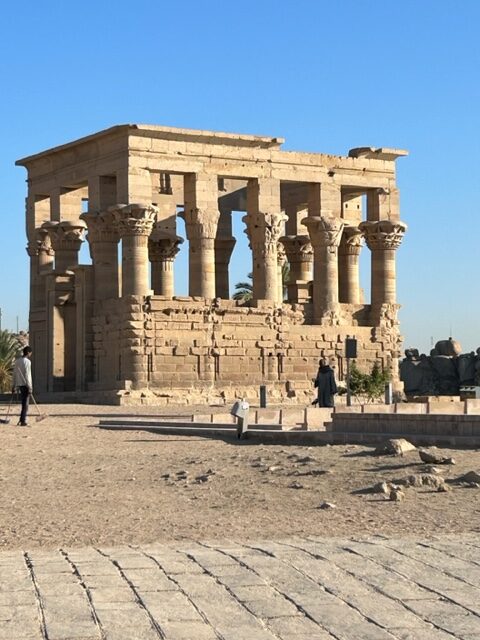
(325, 75)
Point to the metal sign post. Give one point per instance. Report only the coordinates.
(350, 352)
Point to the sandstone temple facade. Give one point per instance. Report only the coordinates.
(114, 330)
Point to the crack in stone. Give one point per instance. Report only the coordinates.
(88, 595)
(138, 598)
(43, 624)
(393, 571)
(172, 579)
(286, 596)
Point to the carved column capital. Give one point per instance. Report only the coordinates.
(102, 226)
(201, 223)
(134, 219)
(163, 247)
(269, 225)
(43, 242)
(65, 235)
(298, 248)
(351, 241)
(324, 231)
(383, 234)
(225, 244)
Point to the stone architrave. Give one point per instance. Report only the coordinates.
(135, 223)
(264, 231)
(325, 234)
(223, 252)
(300, 259)
(66, 238)
(383, 238)
(348, 269)
(162, 249)
(103, 237)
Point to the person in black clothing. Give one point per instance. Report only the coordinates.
(326, 385)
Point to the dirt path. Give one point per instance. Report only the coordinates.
(65, 482)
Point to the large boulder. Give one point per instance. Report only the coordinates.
(445, 375)
(450, 348)
(417, 377)
(466, 368)
(395, 447)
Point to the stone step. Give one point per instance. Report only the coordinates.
(258, 433)
(147, 424)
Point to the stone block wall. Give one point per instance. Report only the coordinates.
(195, 348)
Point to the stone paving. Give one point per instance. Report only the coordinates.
(301, 588)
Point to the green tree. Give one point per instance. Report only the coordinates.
(285, 278)
(370, 386)
(9, 347)
(244, 290)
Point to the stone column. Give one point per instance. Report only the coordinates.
(135, 223)
(281, 261)
(103, 237)
(66, 238)
(348, 255)
(201, 216)
(41, 262)
(162, 249)
(223, 252)
(35, 292)
(265, 224)
(45, 251)
(383, 238)
(325, 233)
(300, 258)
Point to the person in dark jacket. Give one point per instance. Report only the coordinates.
(326, 385)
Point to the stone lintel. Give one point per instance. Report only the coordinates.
(377, 153)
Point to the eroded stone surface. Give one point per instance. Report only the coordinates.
(298, 588)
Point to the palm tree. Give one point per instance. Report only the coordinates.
(244, 290)
(9, 347)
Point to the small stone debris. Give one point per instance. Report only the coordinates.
(305, 460)
(327, 505)
(432, 456)
(274, 468)
(396, 495)
(421, 480)
(165, 476)
(382, 487)
(395, 447)
(202, 478)
(443, 488)
(471, 476)
(309, 472)
(295, 485)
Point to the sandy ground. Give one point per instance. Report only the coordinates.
(65, 482)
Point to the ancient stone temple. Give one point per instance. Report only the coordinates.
(114, 330)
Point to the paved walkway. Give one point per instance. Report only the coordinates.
(301, 589)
